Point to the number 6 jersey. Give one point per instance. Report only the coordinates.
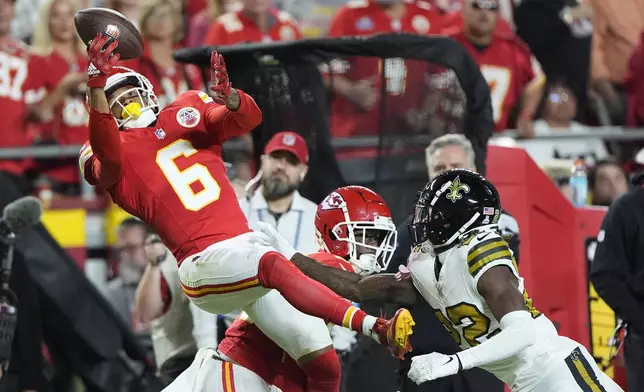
(448, 282)
(172, 174)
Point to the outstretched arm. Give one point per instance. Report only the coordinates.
(384, 287)
(104, 135)
(240, 114)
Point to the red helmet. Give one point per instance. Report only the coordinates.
(354, 222)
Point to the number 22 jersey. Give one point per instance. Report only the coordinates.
(448, 282)
(173, 175)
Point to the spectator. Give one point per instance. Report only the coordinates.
(179, 328)
(506, 63)
(559, 110)
(199, 23)
(161, 27)
(65, 70)
(617, 28)
(445, 153)
(277, 201)
(356, 82)
(22, 87)
(617, 273)
(453, 22)
(131, 259)
(556, 30)
(607, 182)
(256, 21)
(634, 86)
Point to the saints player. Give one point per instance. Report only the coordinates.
(464, 269)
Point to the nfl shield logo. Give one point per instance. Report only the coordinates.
(159, 133)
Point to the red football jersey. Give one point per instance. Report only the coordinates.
(69, 126)
(247, 345)
(22, 81)
(234, 27)
(168, 83)
(172, 174)
(509, 68)
(453, 23)
(404, 78)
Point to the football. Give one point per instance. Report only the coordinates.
(91, 21)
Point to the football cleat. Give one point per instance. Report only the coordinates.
(396, 332)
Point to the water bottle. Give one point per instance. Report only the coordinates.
(579, 183)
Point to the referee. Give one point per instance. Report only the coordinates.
(617, 272)
(452, 151)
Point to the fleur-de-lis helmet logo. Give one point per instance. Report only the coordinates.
(455, 189)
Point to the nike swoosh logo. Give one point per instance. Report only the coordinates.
(481, 237)
(450, 360)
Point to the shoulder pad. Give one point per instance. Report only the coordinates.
(357, 4)
(485, 248)
(230, 21)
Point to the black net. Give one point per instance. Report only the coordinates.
(367, 107)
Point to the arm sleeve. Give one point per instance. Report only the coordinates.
(204, 327)
(100, 160)
(225, 124)
(487, 252)
(517, 333)
(610, 269)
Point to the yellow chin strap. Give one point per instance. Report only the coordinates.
(132, 109)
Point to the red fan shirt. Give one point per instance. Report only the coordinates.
(509, 69)
(22, 81)
(235, 27)
(404, 78)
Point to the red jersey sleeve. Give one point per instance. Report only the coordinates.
(100, 159)
(223, 123)
(528, 66)
(332, 261)
(340, 23)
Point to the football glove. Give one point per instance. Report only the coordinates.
(101, 59)
(432, 366)
(219, 81)
(277, 241)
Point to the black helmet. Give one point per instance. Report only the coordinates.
(455, 202)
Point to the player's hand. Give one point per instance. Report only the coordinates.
(432, 366)
(101, 60)
(277, 241)
(219, 81)
(155, 251)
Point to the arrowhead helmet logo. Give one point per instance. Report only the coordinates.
(455, 188)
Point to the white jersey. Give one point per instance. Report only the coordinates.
(448, 282)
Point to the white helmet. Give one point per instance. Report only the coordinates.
(133, 115)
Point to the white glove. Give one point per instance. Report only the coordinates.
(277, 241)
(343, 338)
(432, 366)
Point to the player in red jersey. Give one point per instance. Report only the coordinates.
(356, 233)
(166, 168)
(356, 82)
(513, 74)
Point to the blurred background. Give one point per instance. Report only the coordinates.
(549, 94)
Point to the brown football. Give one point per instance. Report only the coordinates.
(91, 21)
